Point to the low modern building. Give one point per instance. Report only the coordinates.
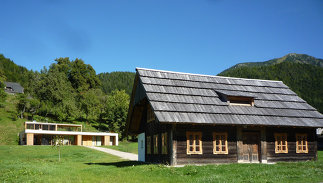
(39, 133)
(13, 88)
(184, 118)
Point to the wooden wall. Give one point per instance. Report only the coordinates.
(177, 144)
(152, 129)
(207, 145)
(291, 142)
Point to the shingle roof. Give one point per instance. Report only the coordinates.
(14, 87)
(191, 98)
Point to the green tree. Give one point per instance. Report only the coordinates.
(55, 91)
(58, 141)
(3, 94)
(22, 105)
(116, 111)
(91, 104)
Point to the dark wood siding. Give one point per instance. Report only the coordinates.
(207, 145)
(153, 128)
(291, 142)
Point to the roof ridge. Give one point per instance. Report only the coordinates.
(206, 75)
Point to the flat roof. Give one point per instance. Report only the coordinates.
(69, 133)
(44, 123)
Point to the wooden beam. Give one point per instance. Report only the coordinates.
(173, 146)
(239, 144)
(131, 103)
(263, 145)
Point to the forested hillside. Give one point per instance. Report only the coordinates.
(305, 79)
(116, 80)
(291, 57)
(12, 72)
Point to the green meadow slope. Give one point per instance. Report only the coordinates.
(10, 125)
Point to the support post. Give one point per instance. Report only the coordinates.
(239, 144)
(173, 146)
(117, 140)
(78, 140)
(29, 139)
(106, 140)
(263, 145)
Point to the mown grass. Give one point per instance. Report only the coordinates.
(125, 146)
(80, 164)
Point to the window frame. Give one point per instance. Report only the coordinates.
(164, 142)
(148, 144)
(302, 135)
(194, 134)
(225, 134)
(155, 144)
(279, 146)
(242, 101)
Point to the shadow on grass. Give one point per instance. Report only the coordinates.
(120, 164)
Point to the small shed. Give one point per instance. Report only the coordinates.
(11, 87)
(199, 119)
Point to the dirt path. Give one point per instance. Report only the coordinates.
(123, 155)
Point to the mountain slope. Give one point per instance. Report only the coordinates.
(304, 79)
(291, 57)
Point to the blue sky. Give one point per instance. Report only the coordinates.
(196, 36)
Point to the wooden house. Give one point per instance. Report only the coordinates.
(13, 88)
(198, 119)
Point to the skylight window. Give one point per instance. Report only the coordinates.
(244, 101)
(236, 98)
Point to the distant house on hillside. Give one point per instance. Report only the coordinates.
(11, 87)
(186, 118)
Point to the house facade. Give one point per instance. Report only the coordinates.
(184, 118)
(39, 133)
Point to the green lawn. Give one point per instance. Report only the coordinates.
(125, 146)
(80, 164)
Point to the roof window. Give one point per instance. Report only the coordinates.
(236, 98)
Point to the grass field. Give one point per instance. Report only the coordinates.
(125, 146)
(80, 164)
